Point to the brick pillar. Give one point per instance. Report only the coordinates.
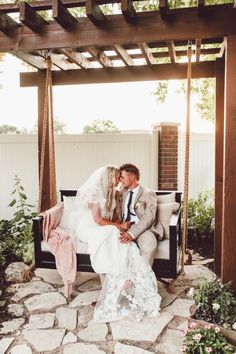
(167, 156)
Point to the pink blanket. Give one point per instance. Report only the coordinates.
(62, 246)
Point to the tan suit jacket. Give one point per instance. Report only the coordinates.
(145, 207)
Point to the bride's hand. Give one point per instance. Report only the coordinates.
(124, 226)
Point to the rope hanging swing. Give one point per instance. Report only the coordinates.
(48, 132)
(186, 163)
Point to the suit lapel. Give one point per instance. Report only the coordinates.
(140, 192)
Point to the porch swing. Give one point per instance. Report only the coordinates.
(169, 261)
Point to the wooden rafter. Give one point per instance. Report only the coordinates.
(7, 24)
(186, 25)
(147, 53)
(164, 9)
(77, 58)
(47, 4)
(61, 14)
(172, 53)
(62, 63)
(198, 49)
(94, 12)
(128, 10)
(58, 60)
(222, 48)
(101, 57)
(123, 55)
(30, 18)
(31, 59)
(201, 7)
(160, 55)
(162, 44)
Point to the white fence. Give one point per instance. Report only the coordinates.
(201, 163)
(78, 155)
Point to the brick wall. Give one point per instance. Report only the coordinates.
(168, 156)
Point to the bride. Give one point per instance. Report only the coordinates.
(129, 288)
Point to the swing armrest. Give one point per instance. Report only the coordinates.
(175, 228)
(174, 221)
(38, 237)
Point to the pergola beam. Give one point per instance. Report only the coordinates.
(228, 251)
(100, 57)
(124, 74)
(198, 49)
(164, 9)
(123, 55)
(30, 18)
(94, 13)
(77, 58)
(128, 10)
(159, 55)
(201, 7)
(151, 28)
(172, 53)
(31, 59)
(61, 14)
(147, 53)
(219, 157)
(7, 24)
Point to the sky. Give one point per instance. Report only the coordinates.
(131, 106)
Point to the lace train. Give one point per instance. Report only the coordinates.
(133, 294)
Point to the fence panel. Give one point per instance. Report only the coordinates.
(202, 163)
(76, 157)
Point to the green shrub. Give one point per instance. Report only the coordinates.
(216, 303)
(201, 223)
(16, 238)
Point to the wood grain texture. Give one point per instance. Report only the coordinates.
(149, 27)
(219, 146)
(228, 263)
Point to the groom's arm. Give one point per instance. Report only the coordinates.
(148, 218)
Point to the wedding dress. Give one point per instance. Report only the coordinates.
(130, 286)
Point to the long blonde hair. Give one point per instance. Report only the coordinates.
(109, 191)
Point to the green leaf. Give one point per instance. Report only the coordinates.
(13, 202)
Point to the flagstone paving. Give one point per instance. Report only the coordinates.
(41, 321)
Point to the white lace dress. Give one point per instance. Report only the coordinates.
(130, 286)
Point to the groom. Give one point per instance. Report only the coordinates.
(139, 206)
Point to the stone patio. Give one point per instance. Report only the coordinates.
(43, 322)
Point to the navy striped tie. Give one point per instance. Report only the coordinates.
(128, 217)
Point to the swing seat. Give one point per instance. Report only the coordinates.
(166, 263)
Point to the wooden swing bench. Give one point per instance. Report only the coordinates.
(166, 263)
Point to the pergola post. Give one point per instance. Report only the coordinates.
(48, 184)
(228, 271)
(219, 146)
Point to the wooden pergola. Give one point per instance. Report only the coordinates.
(131, 46)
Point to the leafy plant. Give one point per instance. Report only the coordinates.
(16, 241)
(216, 303)
(205, 340)
(201, 223)
(201, 213)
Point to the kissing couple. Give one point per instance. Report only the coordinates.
(117, 227)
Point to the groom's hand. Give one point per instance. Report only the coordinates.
(125, 237)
